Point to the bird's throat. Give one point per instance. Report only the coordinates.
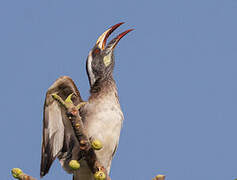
(103, 85)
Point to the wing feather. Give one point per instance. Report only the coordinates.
(58, 134)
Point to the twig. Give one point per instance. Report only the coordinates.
(19, 174)
(87, 148)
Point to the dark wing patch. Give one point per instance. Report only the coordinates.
(57, 131)
(46, 158)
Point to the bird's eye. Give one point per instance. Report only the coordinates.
(95, 52)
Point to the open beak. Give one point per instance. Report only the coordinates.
(101, 42)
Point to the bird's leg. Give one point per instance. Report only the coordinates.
(87, 148)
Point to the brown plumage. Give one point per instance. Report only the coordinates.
(58, 135)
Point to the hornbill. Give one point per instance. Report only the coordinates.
(101, 115)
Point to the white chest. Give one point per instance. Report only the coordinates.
(104, 121)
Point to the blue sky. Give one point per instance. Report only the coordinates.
(176, 75)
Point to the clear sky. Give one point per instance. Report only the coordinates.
(176, 75)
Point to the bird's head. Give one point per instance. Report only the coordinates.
(100, 61)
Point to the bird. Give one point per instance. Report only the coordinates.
(101, 115)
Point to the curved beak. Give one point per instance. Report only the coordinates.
(112, 44)
(101, 42)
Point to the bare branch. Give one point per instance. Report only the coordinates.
(87, 148)
(19, 174)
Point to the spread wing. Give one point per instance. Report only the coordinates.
(58, 136)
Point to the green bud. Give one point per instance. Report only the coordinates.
(99, 175)
(160, 177)
(16, 172)
(74, 164)
(69, 99)
(96, 144)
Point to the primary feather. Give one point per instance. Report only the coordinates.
(58, 137)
